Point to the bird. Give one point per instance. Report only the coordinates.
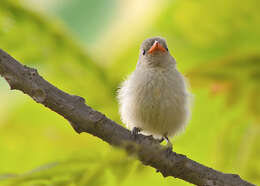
(154, 99)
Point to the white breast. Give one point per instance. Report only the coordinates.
(155, 100)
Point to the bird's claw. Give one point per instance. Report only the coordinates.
(135, 132)
(160, 140)
(168, 151)
(168, 146)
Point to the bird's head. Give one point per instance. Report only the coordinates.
(154, 52)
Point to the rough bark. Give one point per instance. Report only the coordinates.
(84, 119)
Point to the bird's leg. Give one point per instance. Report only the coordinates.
(161, 140)
(168, 145)
(135, 131)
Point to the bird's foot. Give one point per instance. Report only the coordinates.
(169, 151)
(168, 145)
(160, 140)
(135, 132)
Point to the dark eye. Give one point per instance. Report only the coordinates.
(143, 52)
(166, 48)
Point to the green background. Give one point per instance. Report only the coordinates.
(88, 47)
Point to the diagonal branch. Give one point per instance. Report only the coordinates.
(84, 119)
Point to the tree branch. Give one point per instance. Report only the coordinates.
(84, 119)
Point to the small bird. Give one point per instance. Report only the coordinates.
(154, 99)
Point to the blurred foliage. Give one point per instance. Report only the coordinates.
(90, 21)
(216, 44)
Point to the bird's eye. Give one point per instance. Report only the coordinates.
(143, 52)
(166, 48)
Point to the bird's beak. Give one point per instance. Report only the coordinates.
(156, 46)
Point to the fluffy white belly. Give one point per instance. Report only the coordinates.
(155, 101)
